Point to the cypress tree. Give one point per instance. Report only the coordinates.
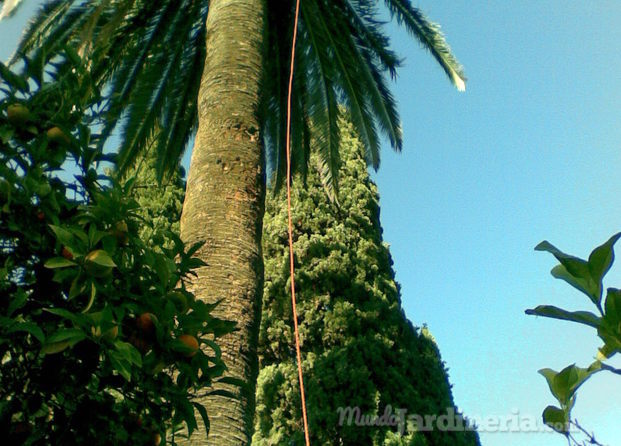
(359, 349)
(159, 203)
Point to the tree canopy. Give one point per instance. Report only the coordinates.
(359, 348)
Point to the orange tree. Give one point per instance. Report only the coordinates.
(100, 342)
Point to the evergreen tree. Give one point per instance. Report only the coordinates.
(359, 349)
(160, 202)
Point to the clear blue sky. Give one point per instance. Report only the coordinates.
(531, 151)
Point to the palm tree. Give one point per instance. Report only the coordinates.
(219, 67)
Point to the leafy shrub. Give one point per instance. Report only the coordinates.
(587, 277)
(100, 342)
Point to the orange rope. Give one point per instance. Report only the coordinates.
(292, 268)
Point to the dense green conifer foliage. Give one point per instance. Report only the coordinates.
(159, 203)
(359, 348)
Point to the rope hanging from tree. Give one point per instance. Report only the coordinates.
(291, 265)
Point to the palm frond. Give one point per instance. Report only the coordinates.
(372, 81)
(52, 28)
(147, 58)
(347, 82)
(153, 88)
(133, 64)
(430, 35)
(322, 101)
(274, 88)
(180, 117)
(9, 7)
(366, 29)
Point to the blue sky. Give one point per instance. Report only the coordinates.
(531, 151)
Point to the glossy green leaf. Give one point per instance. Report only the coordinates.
(120, 364)
(602, 257)
(161, 267)
(582, 317)
(91, 299)
(17, 302)
(203, 413)
(55, 347)
(64, 314)
(71, 335)
(564, 384)
(556, 419)
(28, 327)
(573, 270)
(584, 285)
(58, 262)
(101, 257)
(613, 307)
(610, 329)
(64, 237)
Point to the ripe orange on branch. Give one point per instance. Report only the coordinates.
(18, 114)
(56, 135)
(191, 342)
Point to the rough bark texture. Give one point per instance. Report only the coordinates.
(224, 204)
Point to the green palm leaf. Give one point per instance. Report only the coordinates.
(147, 57)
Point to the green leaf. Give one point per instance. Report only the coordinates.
(58, 262)
(18, 301)
(161, 267)
(585, 286)
(203, 413)
(574, 271)
(613, 307)
(55, 347)
(91, 300)
(64, 314)
(582, 317)
(564, 384)
(77, 287)
(557, 419)
(94, 236)
(128, 352)
(71, 335)
(101, 257)
(215, 347)
(188, 415)
(28, 327)
(602, 257)
(610, 329)
(120, 364)
(62, 235)
(13, 79)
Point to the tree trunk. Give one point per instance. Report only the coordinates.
(224, 204)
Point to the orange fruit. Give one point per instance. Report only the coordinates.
(56, 135)
(145, 323)
(18, 114)
(67, 254)
(190, 342)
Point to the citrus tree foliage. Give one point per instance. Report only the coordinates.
(99, 339)
(587, 277)
(359, 349)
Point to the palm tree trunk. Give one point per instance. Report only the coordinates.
(224, 204)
